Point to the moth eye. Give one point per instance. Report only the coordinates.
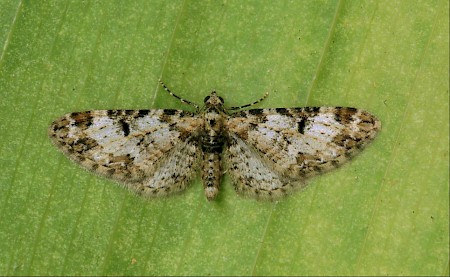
(206, 98)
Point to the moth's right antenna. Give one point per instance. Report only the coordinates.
(251, 104)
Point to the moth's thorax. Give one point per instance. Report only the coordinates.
(213, 122)
(214, 116)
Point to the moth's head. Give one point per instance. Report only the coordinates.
(213, 100)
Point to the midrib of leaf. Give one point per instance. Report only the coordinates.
(325, 50)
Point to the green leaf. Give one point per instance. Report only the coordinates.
(385, 213)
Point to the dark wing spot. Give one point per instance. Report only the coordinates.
(143, 113)
(81, 158)
(185, 114)
(255, 111)
(240, 114)
(282, 111)
(112, 113)
(125, 127)
(313, 110)
(301, 126)
(82, 119)
(348, 154)
(140, 141)
(110, 171)
(169, 112)
(344, 115)
(252, 126)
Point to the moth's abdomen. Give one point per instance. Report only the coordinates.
(211, 174)
(212, 146)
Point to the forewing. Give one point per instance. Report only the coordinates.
(129, 146)
(298, 143)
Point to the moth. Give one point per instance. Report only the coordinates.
(267, 152)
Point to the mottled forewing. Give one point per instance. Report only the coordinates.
(298, 143)
(132, 147)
